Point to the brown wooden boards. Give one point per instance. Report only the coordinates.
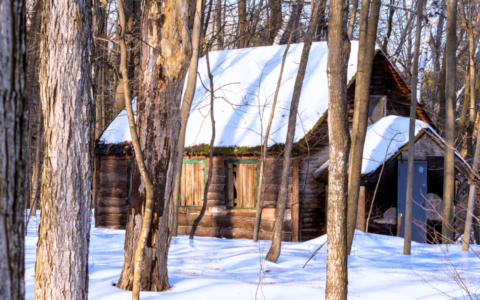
(242, 179)
(192, 182)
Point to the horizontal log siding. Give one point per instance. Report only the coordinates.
(111, 196)
(238, 222)
(311, 196)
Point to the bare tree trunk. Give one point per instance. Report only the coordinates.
(389, 27)
(210, 160)
(366, 53)
(165, 55)
(275, 248)
(339, 141)
(185, 111)
(218, 24)
(450, 97)
(99, 30)
(407, 242)
(13, 148)
(353, 17)
(473, 187)
(36, 174)
(285, 23)
(423, 59)
(68, 111)
(149, 188)
(242, 23)
(263, 157)
(275, 19)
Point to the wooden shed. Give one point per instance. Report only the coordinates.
(245, 81)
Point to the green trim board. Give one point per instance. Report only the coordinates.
(197, 161)
(237, 161)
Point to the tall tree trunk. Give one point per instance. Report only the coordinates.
(353, 17)
(366, 53)
(33, 94)
(242, 23)
(263, 157)
(99, 30)
(38, 166)
(275, 248)
(450, 99)
(13, 148)
(391, 12)
(339, 140)
(423, 59)
(407, 245)
(149, 188)
(165, 56)
(274, 20)
(210, 159)
(322, 27)
(68, 110)
(218, 24)
(476, 161)
(283, 29)
(185, 110)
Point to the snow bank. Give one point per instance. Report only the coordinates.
(245, 81)
(211, 268)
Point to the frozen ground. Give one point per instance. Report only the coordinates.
(210, 268)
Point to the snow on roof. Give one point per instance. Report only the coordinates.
(118, 131)
(245, 81)
(384, 139)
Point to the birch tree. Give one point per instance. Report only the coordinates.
(13, 149)
(61, 272)
(166, 52)
(339, 141)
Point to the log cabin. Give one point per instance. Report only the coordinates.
(244, 88)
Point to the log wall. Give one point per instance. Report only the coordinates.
(111, 197)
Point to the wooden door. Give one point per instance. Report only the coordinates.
(192, 185)
(242, 185)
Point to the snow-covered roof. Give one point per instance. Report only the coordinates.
(118, 131)
(384, 139)
(245, 81)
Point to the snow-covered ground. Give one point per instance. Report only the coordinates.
(211, 268)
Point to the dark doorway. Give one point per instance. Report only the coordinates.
(419, 214)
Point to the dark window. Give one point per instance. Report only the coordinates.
(376, 108)
(242, 183)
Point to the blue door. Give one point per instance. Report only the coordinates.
(419, 195)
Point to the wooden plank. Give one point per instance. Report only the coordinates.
(199, 184)
(188, 219)
(231, 183)
(216, 196)
(295, 203)
(189, 177)
(361, 210)
(251, 187)
(111, 201)
(114, 177)
(113, 168)
(116, 192)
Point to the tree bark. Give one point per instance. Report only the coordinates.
(450, 99)
(391, 12)
(242, 23)
(218, 24)
(185, 110)
(366, 53)
(274, 20)
(353, 17)
(149, 188)
(285, 23)
(61, 272)
(339, 141)
(99, 30)
(13, 148)
(38, 166)
(407, 242)
(165, 55)
(275, 248)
